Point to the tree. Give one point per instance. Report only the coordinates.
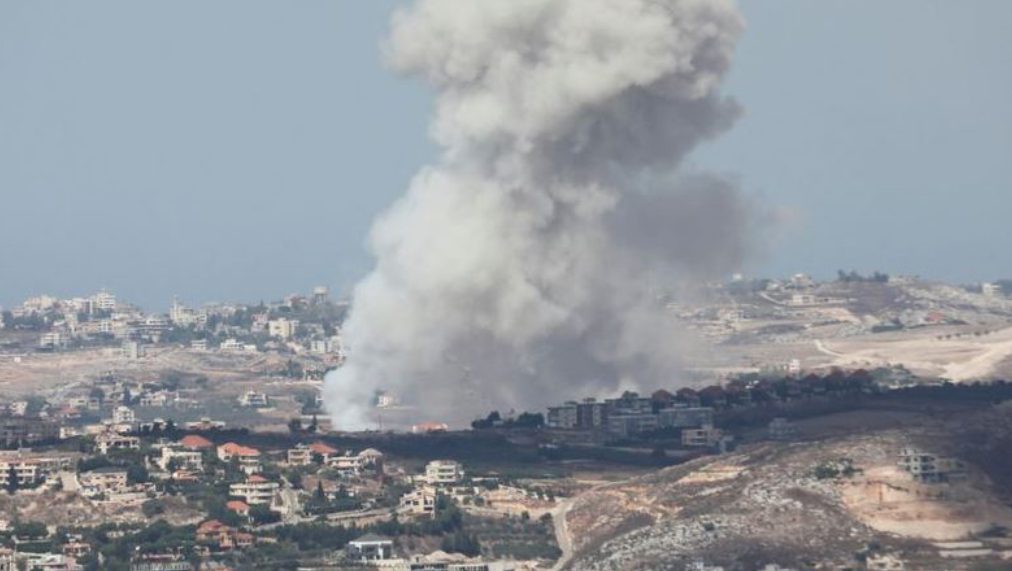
(137, 473)
(12, 480)
(295, 426)
(151, 508)
(460, 542)
(262, 514)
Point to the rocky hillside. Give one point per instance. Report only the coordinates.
(832, 501)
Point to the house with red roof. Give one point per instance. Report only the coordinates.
(196, 442)
(248, 458)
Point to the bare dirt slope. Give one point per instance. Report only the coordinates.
(781, 503)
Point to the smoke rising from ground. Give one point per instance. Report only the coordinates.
(523, 267)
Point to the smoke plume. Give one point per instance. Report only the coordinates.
(523, 268)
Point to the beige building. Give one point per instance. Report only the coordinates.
(703, 437)
(256, 490)
(30, 470)
(282, 328)
(109, 441)
(420, 502)
(103, 480)
(443, 472)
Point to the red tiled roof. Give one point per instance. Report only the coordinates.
(256, 479)
(233, 449)
(237, 506)
(196, 442)
(322, 449)
(211, 525)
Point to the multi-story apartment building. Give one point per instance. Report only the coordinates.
(30, 470)
(109, 441)
(256, 490)
(930, 468)
(282, 328)
(682, 416)
(443, 472)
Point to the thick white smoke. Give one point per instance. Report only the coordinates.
(521, 269)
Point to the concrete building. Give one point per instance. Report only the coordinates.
(703, 437)
(109, 441)
(180, 457)
(20, 430)
(254, 399)
(782, 429)
(103, 301)
(110, 479)
(370, 548)
(346, 465)
(30, 471)
(443, 472)
(992, 290)
(123, 415)
(419, 502)
(930, 468)
(52, 340)
(591, 414)
(132, 350)
(682, 416)
(627, 424)
(562, 417)
(282, 328)
(303, 454)
(255, 491)
(630, 403)
(248, 458)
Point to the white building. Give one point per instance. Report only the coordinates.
(103, 301)
(282, 328)
(123, 415)
(992, 290)
(181, 457)
(256, 490)
(443, 472)
(52, 340)
(30, 470)
(254, 399)
(370, 547)
(132, 350)
(109, 441)
(703, 437)
(235, 346)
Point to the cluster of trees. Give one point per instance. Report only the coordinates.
(295, 426)
(854, 277)
(462, 542)
(320, 503)
(495, 420)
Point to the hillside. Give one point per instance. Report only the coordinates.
(834, 499)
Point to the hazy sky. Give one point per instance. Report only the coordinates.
(239, 149)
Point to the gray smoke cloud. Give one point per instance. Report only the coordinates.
(523, 268)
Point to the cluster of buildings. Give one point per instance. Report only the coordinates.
(632, 414)
(102, 319)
